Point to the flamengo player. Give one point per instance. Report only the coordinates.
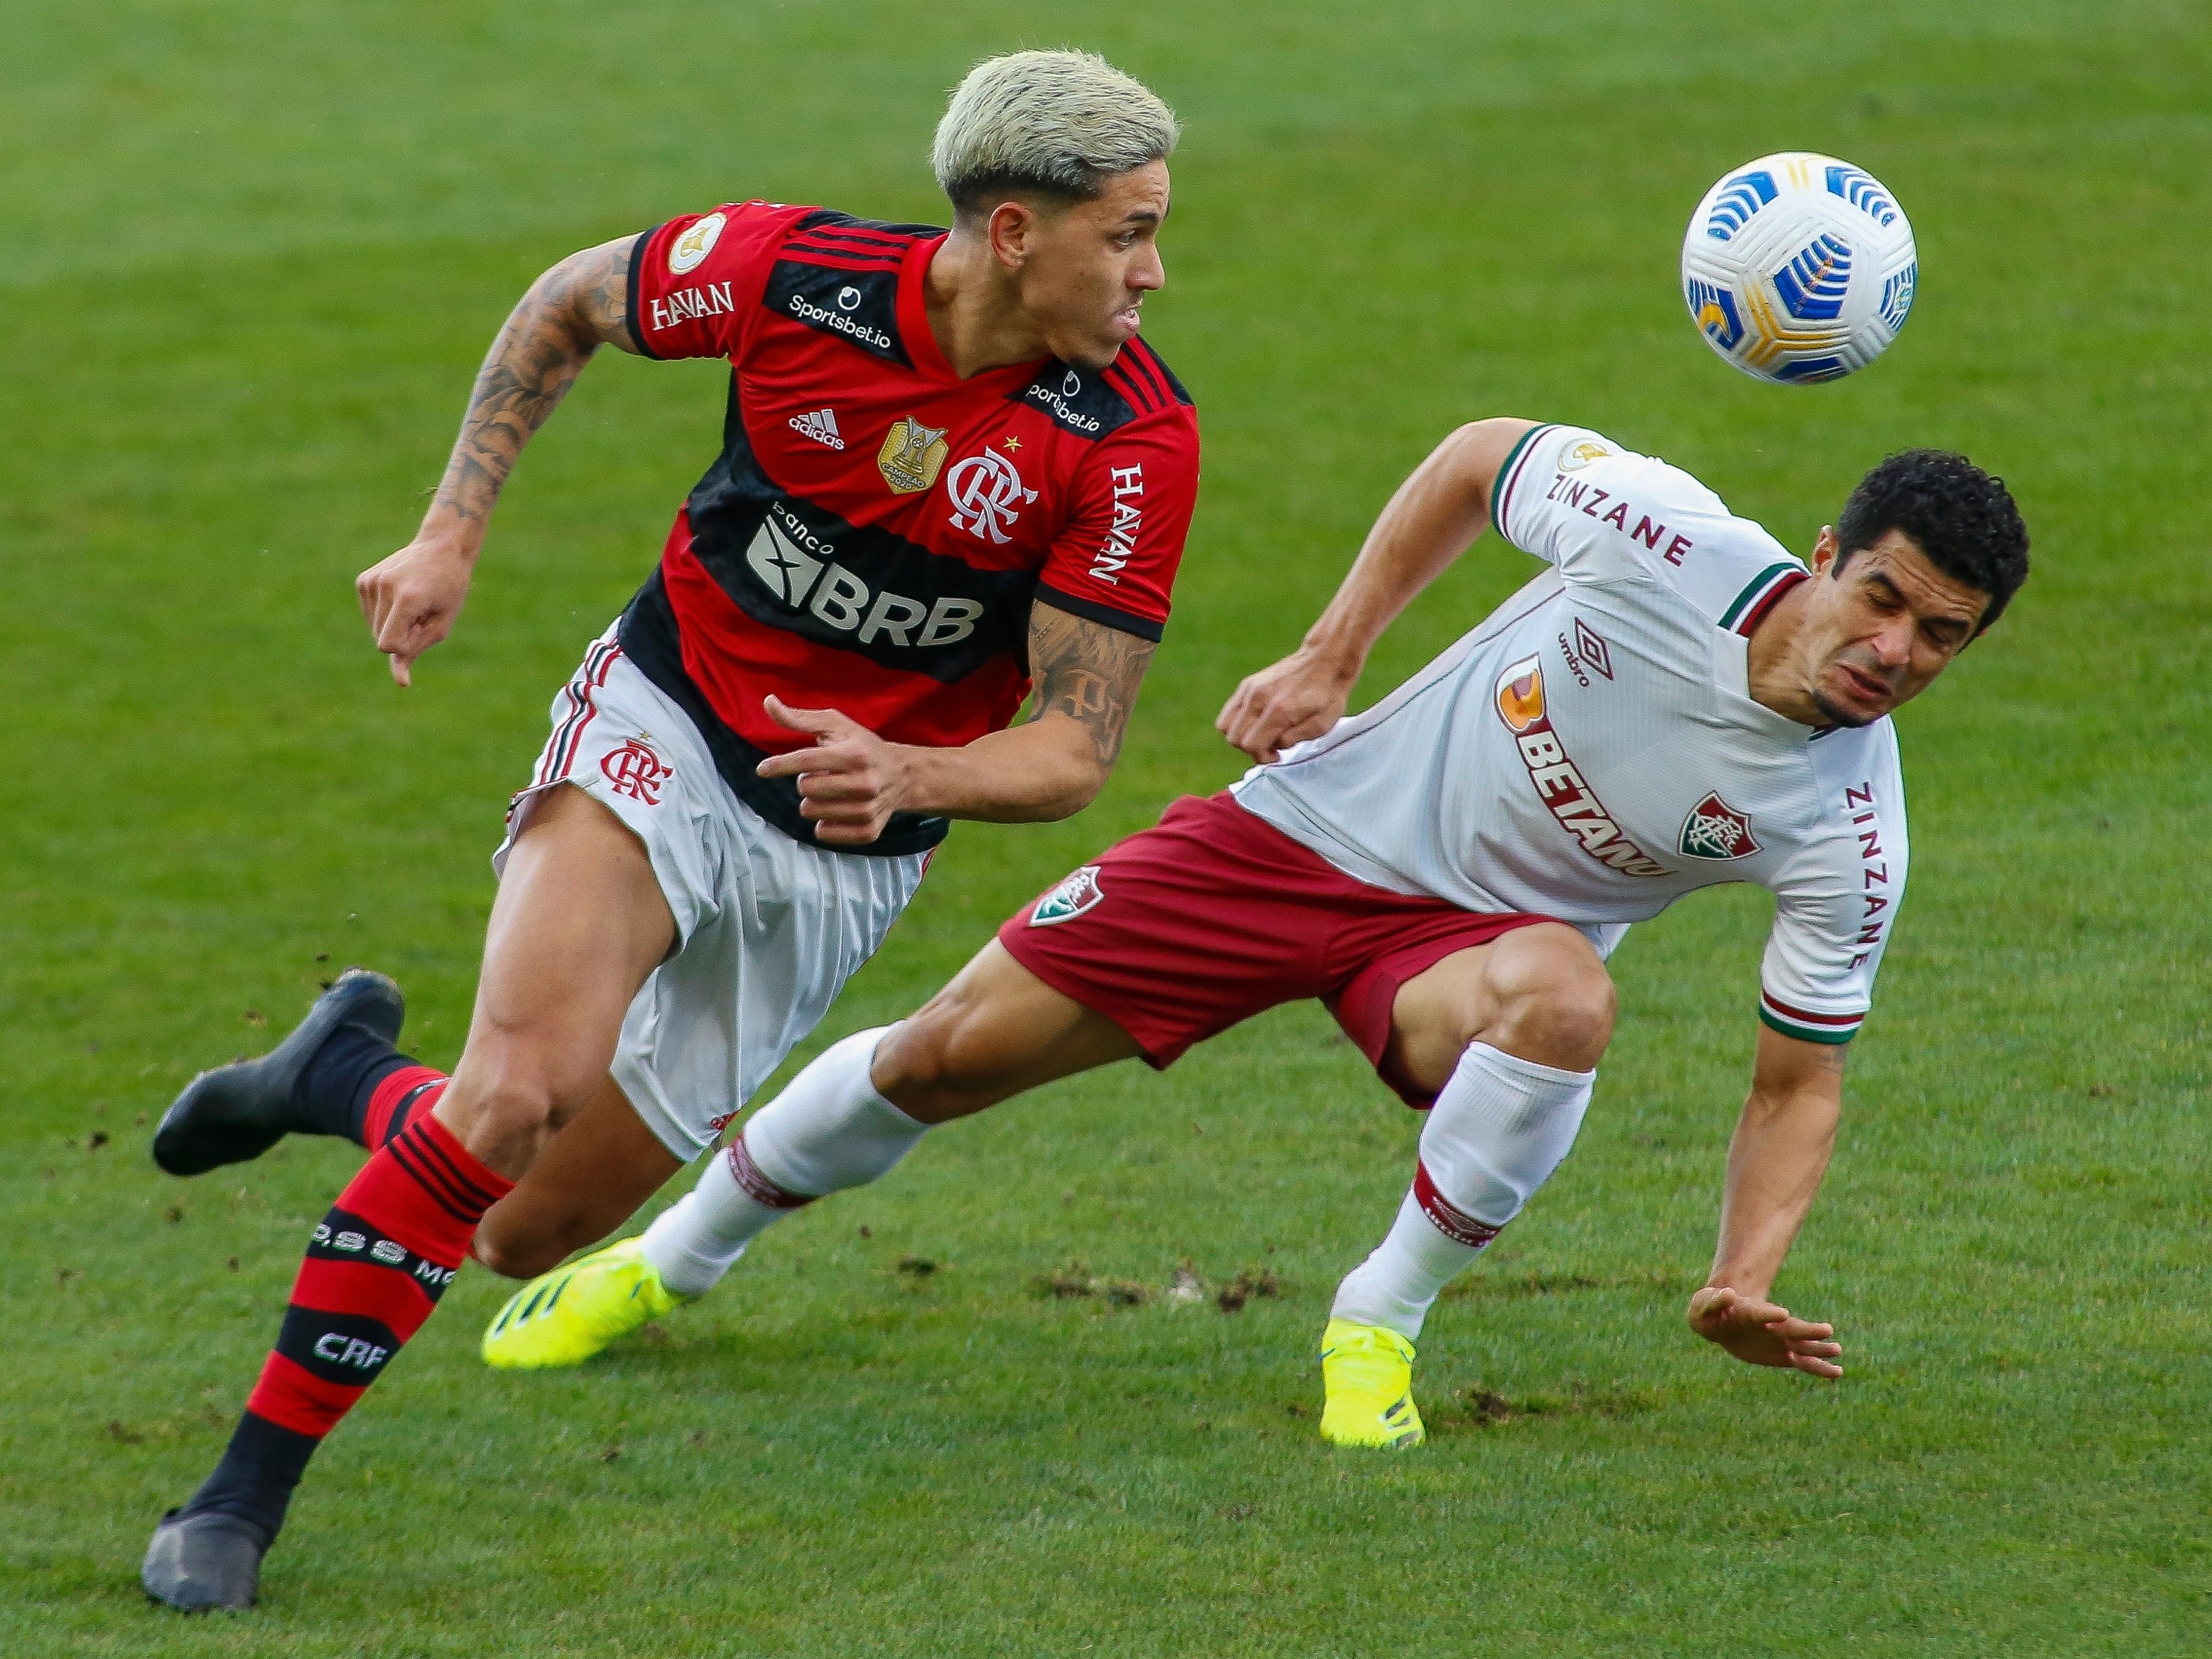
(949, 468)
(1675, 703)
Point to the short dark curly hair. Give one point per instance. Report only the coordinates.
(1964, 520)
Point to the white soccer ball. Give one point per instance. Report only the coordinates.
(1799, 267)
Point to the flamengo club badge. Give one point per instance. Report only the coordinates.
(1715, 829)
(911, 456)
(1079, 893)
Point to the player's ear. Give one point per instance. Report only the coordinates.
(1825, 549)
(1011, 232)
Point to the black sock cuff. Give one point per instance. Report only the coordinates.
(365, 1091)
(253, 1482)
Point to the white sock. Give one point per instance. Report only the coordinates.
(828, 1131)
(1500, 1129)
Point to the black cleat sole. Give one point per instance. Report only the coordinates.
(238, 1112)
(198, 1562)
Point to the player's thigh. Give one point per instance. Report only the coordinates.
(579, 922)
(1540, 992)
(591, 1178)
(994, 1032)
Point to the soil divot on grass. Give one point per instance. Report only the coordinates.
(1187, 1288)
(1248, 1283)
(1479, 1286)
(1481, 1407)
(1075, 1279)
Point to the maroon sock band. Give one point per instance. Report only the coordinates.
(756, 1186)
(1448, 1218)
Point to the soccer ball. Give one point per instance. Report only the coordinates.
(1799, 267)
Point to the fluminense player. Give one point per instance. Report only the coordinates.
(1674, 703)
(950, 470)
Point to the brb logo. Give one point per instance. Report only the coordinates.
(985, 490)
(797, 567)
(634, 770)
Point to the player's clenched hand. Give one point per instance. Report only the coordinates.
(1299, 697)
(1761, 1334)
(850, 781)
(411, 599)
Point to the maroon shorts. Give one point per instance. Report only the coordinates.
(1183, 929)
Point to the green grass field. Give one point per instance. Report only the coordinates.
(254, 253)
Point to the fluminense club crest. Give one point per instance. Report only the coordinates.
(1715, 829)
(1079, 893)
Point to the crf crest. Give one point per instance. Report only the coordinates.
(634, 770)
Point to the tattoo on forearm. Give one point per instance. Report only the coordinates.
(569, 313)
(1089, 672)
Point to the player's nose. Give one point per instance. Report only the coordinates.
(1893, 642)
(1146, 274)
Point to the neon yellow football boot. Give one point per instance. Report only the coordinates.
(564, 1317)
(1368, 1373)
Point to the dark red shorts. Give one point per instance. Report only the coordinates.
(1183, 929)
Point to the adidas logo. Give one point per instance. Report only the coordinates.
(821, 425)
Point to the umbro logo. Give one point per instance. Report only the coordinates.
(821, 425)
(1587, 655)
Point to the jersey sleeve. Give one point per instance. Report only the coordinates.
(1114, 560)
(1837, 902)
(695, 283)
(1577, 500)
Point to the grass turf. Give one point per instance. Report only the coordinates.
(256, 252)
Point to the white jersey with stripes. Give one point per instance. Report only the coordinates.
(1592, 751)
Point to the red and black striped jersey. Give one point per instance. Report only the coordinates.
(875, 530)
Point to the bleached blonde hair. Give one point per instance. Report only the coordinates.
(1059, 122)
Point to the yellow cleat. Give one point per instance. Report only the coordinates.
(1368, 1373)
(564, 1317)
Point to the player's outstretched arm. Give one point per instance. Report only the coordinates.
(1776, 1161)
(850, 781)
(411, 599)
(1433, 519)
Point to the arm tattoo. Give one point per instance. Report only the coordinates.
(1088, 672)
(569, 312)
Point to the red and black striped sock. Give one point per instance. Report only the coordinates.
(383, 1107)
(375, 1268)
(359, 1086)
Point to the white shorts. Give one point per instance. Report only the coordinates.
(768, 931)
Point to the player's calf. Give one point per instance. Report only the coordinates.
(1509, 1034)
(828, 1130)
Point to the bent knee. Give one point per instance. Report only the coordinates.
(1569, 1028)
(1555, 1004)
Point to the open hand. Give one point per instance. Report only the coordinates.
(850, 781)
(1761, 1333)
(1299, 697)
(411, 599)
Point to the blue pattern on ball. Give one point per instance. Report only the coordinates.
(1744, 196)
(1812, 284)
(1862, 191)
(1714, 308)
(1897, 296)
